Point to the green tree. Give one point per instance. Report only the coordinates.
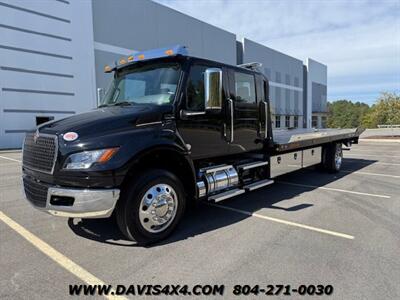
(386, 111)
(346, 114)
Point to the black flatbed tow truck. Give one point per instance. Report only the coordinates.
(171, 130)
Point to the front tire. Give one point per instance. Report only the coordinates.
(333, 158)
(151, 206)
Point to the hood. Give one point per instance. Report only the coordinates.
(107, 119)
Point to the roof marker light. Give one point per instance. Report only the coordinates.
(107, 69)
(176, 50)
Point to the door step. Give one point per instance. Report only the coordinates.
(258, 184)
(214, 169)
(252, 165)
(225, 195)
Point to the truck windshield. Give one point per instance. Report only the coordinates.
(144, 84)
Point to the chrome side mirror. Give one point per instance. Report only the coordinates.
(213, 89)
(100, 96)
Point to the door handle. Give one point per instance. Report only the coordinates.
(264, 111)
(224, 130)
(266, 118)
(230, 102)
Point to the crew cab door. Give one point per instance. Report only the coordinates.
(203, 120)
(247, 131)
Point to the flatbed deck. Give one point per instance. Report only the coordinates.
(290, 139)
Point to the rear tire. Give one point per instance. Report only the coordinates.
(332, 158)
(150, 206)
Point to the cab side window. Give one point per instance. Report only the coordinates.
(195, 88)
(245, 88)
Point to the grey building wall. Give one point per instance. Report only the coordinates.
(46, 64)
(52, 55)
(318, 97)
(239, 53)
(140, 25)
(306, 116)
(317, 92)
(285, 74)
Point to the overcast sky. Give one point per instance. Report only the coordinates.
(358, 40)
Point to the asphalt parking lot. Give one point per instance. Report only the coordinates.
(308, 228)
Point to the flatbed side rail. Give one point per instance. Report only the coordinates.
(344, 137)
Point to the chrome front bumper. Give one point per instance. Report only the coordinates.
(88, 203)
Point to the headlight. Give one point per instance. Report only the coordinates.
(85, 159)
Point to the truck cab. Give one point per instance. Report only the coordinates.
(171, 130)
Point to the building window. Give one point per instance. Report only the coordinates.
(314, 123)
(287, 100)
(278, 121)
(287, 79)
(296, 81)
(296, 121)
(267, 73)
(287, 121)
(323, 122)
(40, 120)
(278, 95)
(245, 88)
(278, 77)
(296, 102)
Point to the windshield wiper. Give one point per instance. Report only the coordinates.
(123, 103)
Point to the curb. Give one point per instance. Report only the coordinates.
(11, 151)
(379, 140)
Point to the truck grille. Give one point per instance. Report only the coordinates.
(40, 153)
(35, 192)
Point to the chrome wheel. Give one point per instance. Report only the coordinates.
(158, 208)
(338, 157)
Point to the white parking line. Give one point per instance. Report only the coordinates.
(12, 159)
(378, 155)
(373, 163)
(247, 213)
(380, 141)
(374, 151)
(52, 253)
(367, 173)
(333, 189)
(387, 164)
